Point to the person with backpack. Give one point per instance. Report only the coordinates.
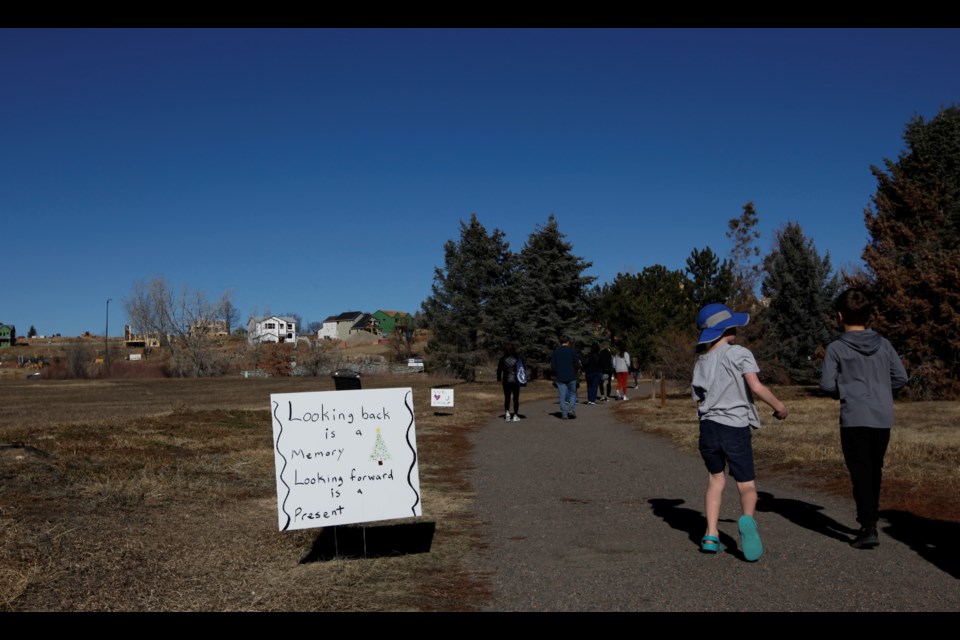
(511, 371)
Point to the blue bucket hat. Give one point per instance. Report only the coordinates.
(716, 318)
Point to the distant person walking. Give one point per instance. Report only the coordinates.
(621, 365)
(593, 373)
(724, 384)
(507, 374)
(566, 367)
(607, 372)
(862, 369)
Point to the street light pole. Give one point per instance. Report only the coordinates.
(106, 338)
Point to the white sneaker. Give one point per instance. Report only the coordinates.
(625, 398)
(516, 418)
(506, 417)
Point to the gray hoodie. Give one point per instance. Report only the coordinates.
(862, 369)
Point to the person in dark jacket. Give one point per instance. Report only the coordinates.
(507, 374)
(593, 373)
(862, 369)
(566, 366)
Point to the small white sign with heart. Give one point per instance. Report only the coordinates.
(441, 397)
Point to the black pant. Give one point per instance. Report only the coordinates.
(511, 390)
(863, 451)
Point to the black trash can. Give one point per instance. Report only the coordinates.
(346, 380)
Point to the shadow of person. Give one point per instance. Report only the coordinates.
(934, 540)
(690, 521)
(804, 514)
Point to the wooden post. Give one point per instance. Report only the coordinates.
(663, 391)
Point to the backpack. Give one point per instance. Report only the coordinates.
(521, 373)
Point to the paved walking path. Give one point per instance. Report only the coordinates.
(592, 515)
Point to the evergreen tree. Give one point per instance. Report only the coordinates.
(798, 319)
(637, 308)
(913, 257)
(467, 296)
(31, 332)
(616, 305)
(710, 281)
(549, 293)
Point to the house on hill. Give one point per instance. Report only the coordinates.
(388, 321)
(8, 335)
(210, 327)
(339, 327)
(271, 329)
(366, 323)
(143, 341)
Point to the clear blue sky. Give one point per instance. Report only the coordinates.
(321, 171)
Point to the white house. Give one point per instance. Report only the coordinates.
(271, 329)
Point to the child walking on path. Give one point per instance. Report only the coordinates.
(725, 383)
(507, 374)
(862, 369)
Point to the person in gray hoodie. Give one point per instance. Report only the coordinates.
(862, 369)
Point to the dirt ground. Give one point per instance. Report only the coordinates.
(159, 495)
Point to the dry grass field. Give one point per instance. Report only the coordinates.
(159, 495)
(922, 466)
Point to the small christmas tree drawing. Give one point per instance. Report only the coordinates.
(379, 452)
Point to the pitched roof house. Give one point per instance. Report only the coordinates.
(8, 335)
(339, 327)
(390, 320)
(271, 329)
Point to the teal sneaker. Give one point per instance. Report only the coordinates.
(750, 538)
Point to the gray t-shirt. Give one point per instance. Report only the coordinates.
(718, 385)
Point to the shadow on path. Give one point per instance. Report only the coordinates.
(934, 540)
(804, 514)
(690, 521)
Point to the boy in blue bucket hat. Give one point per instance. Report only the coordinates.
(725, 384)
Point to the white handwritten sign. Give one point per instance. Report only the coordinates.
(441, 397)
(344, 457)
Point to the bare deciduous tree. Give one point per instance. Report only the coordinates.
(228, 312)
(402, 339)
(315, 357)
(185, 322)
(79, 361)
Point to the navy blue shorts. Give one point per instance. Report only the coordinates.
(721, 445)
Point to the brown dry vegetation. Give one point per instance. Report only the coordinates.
(159, 495)
(922, 466)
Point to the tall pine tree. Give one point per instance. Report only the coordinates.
(550, 294)
(467, 296)
(798, 320)
(913, 257)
